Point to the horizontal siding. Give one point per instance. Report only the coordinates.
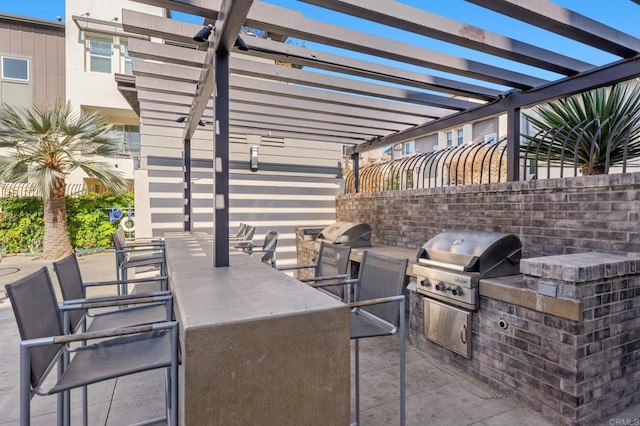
(285, 198)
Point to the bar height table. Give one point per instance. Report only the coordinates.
(258, 346)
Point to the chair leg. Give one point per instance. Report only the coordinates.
(85, 405)
(402, 366)
(25, 389)
(173, 421)
(125, 277)
(63, 398)
(357, 372)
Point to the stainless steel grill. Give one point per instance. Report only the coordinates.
(350, 234)
(449, 269)
(451, 264)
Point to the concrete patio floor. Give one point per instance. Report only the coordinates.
(436, 394)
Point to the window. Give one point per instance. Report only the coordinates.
(129, 139)
(449, 138)
(409, 148)
(100, 55)
(460, 136)
(15, 68)
(127, 64)
(491, 138)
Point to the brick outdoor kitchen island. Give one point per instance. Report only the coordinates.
(257, 345)
(563, 338)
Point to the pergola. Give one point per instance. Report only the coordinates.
(338, 98)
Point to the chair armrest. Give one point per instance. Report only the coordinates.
(158, 245)
(79, 337)
(324, 278)
(159, 240)
(130, 297)
(296, 267)
(347, 295)
(378, 301)
(343, 282)
(88, 304)
(129, 249)
(122, 282)
(261, 250)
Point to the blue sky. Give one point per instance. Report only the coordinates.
(620, 14)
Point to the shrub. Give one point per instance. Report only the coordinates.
(22, 224)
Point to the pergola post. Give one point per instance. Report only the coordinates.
(221, 160)
(513, 144)
(187, 185)
(355, 157)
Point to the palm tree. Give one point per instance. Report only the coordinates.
(586, 129)
(47, 144)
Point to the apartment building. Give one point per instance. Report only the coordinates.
(32, 61)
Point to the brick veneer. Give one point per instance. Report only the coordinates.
(573, 372)
(551, 216)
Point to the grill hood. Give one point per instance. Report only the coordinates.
(350, 234)
(490, 254)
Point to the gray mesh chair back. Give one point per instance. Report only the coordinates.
(122, 239)
(118, 246)
(70, 281)
(378, 310)
(332, 260)
(247, 239)
(379, 277)
(269, 248)
(36, 310)
(241, 228)
(249, 231)
(127, 258)
(156, 243)
(117, 352)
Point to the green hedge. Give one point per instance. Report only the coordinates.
(22, 223)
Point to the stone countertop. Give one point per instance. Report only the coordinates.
(509, 289)
(581, 267)
(246, 290)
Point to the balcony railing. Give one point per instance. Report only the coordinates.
(486, 162)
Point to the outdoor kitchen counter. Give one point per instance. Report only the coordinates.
(258, 346)
(511, 289)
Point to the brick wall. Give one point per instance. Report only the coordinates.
(551, 216)
(576, 368)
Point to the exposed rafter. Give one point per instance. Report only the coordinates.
(439, 27)
(606, 75)
(550, 16)
(280, 20)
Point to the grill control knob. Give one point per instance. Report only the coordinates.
(457, 291)
(441, 286)
(426, 282)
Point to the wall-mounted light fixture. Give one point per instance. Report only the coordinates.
(203, 34)
(182, 119)
(241, 45)
(253, 158)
